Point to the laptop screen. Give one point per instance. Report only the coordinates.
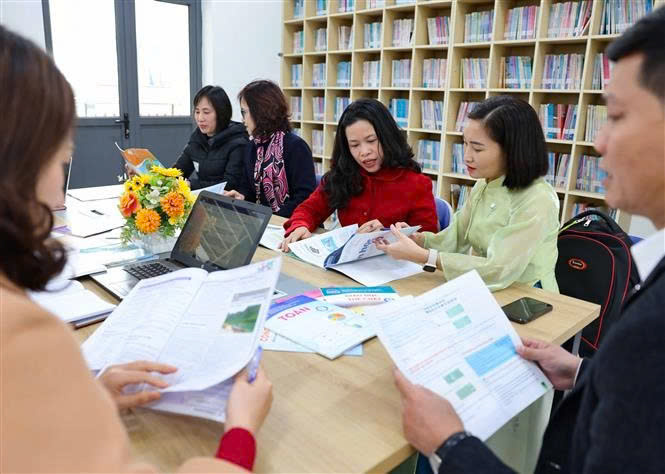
(221, 233)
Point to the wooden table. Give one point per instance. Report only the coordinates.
(328, 416)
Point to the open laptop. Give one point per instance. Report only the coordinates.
(67, 171)
(220, 233)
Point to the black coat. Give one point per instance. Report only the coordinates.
(218, 158)
(614, 419)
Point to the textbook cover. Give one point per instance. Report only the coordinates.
(139, 160)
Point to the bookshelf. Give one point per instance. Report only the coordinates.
(375, 53)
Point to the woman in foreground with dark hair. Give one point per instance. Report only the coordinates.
(510, 221)
(278, 165)
(373, 179)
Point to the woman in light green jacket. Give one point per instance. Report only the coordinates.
(507, 229)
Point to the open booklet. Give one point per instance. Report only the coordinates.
(456, 341)
(139, 160)
(205, 324)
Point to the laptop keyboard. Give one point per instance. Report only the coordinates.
(147, 270)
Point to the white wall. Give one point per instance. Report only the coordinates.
(24, 17)
(241, 42)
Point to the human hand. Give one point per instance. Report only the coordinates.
(249, 403)
(299, 233)
(418, 238)
(234, 195)
(559, 365)
(428, 419)
(404, 248)
(370, 226)
(117, 377)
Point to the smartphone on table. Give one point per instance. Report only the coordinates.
(526, 309)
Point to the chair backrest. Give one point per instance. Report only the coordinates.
(443, 212)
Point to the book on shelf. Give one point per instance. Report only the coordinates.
(345, 6)
(344, 37)
(376, 3)
(344, 74)
(458, 165)
(458, 195)
(478, 26)
(318, 108)
(520, 23)
(298, 42)
(569, 19)
(618, 15)
(321, 7)
(596, 116)
(317, 142)
(428, 154)
(431, 113)
(296, 75)
(580, 207)
(602, 70)
(590, 175)
(563, 71)
(474, 72)
(372, 35)
(318, 167)
(463, 112)
(402, 32)
(341, 103)
(399, 108)
(297, 131)
(401, 73)
(515, 72)
(321, 43)
(404, 2)
(298, 8)
(438, 30)
(296, 108)
(434, 73)
(319, 75)
(557, 171)
(558, 120)
(371, 73)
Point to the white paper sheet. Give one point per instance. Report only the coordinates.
(272, 237)
(215, 188)
(97, 192)
(70, 301)
(361, 246)
(379, 270)
(271, 341)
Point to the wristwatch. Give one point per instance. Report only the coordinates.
(437, 456)
(430, 266)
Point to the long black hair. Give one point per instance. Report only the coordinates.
(344, 179)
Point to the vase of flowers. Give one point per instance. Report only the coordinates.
(155, 205)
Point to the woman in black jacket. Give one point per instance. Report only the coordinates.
(278, 165)
(216, 149)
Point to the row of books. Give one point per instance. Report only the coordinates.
(558, 120)
(318, 108)
(318, 167)
(458, 165)
(557, 172)
(298, 8)
(372, 35)
(341, 103)
(345, 5)
(569, 19)
(344, 37)
(298, 41)
(434, 73)
(296, 75)
(563, 71)
(463, 112)
(321, 7)
(344, 74)
(317, 142)
(319, 75)
(371, 73)
(478, 26)
(321, 41)
(602, 69)
(520, 23)
(402, 32)
(428, 154)
(596, 116)
(459, 193)
(515, 72)
(474, 72)
(401, 73)
(376, 3)
(399, 108)
(580, 207)
(431, 113)
(589, 174)
(618, 15)
(438, 30)
(296, 108)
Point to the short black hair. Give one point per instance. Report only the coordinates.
(219, 101)
(515, 126)
(647, 36)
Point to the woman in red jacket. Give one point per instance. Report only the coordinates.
(373, 179)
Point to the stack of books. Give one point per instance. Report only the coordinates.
(321, 43)
(458, 165)
(431, 112)
(474, 72)
(399, 108)
(557, 172)
(596, 116)
(298, 41)
(344, 74)
(341, 103)
(402, 32)
(558, 120)
(344, 37)
(569, 19)
(321, 7)
(319, 75)
(296, 75)
(515, 72)
(602, 69)
(296, 108)
(563, 71)
(345, 5)
(465, 109)
(372, 35)
(618, 15)
(589, 174)
(478, 26)
(298, 8)
(371, 73)
(521, 23)
(580, 207)
(438, 30)
(317, 142)
(376, 3)
(318, 108)
(428, 154)
(401, 73)
(458, 195)
(434, 73)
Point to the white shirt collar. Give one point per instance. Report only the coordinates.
(648, 253)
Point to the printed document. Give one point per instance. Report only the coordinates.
(70, 301)
(456, 341)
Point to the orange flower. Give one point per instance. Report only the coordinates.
(173, 204)
(147, 221)
(129, 204)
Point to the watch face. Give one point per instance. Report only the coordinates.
(429, 268)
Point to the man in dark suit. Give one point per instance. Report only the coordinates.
(614, 418)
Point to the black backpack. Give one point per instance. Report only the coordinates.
(595, 265)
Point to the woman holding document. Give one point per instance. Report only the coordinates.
(373, 179)
(510, 221)
(56, 416)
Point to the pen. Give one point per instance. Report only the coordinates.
(253, 365)
(95, 211)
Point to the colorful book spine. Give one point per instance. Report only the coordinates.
(602, 69)
(296, 75)
(438, 30)
(402, 32)
(590, 175)
(318, 167)
(341, 103)
(458, 165)
(434, 73)
(431, 112)
(345, 5)
(317, 142)
(319, 75)
(569, 19)
(344, 37)
(428, 154)
(298, 42)
(596, 116)
(372, 35)
(478, 26)
(371, 73)
(563, 71)
(401, 73)
(296, 108)
(558, 120)
(318, 108)
(458, 195)
(515, 72)
(298, 8)
(474, 72)
(344, 74)
(580, 207)
(557, 173)
(618, 15)
(520, 23)
(376, 3)
(321, 7)
(463, 112)
(399, 108)
(321, 43)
